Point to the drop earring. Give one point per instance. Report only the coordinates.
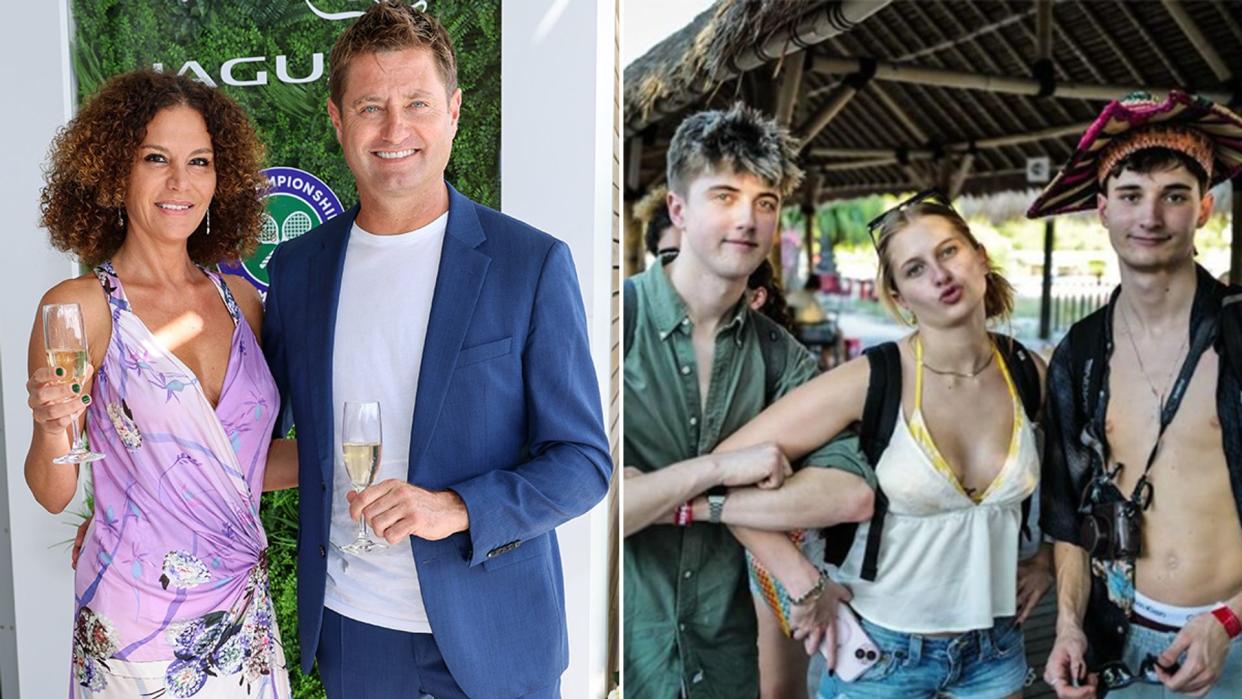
(208, 231)
(120, 217)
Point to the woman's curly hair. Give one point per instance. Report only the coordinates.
(91, 157)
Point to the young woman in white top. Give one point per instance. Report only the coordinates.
(946, 604)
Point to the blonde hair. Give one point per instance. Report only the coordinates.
(997, 300)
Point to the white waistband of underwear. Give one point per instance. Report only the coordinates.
(1167, 614)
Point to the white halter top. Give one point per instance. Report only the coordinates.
(948, 562)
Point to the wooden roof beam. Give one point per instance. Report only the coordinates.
(1036, 113)
(959, 176)
(881, 94)
(996, 83)
(1198, 40)
(845, 92)
(1227, 17)
(1151, 42)
(830, 20)
(978, 106)
(965, 118)
(848, 191)
(865, 37)
(965, 38)
(1022, 61)
(928, 97)
(1112, 44)
(892, 154)
(1083, 58)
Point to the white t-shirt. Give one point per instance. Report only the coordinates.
(381, 327)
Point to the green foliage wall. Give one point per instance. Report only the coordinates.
(114, 36)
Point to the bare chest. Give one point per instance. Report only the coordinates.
(1191, 447)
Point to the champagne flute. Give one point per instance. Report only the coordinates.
(361, 442)
(64, 338)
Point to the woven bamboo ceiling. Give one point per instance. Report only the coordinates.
(892, 96)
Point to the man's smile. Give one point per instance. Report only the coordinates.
(394, 154)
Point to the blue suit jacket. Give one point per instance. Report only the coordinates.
(507, 416)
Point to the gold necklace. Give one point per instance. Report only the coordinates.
(962, 375)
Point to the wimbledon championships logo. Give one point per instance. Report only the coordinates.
(297, 201)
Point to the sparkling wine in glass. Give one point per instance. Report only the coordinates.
(361, 442)
(64, 337)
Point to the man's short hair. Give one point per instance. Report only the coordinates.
(742, 140)
(1151, 160)
(391, 25)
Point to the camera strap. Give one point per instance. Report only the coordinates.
(1204, 321)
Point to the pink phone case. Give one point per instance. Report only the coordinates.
(855, 652)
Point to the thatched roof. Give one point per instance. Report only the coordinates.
(897, 135)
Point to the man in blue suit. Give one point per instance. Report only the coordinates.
(468, 328)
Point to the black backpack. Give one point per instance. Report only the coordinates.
(876, 428)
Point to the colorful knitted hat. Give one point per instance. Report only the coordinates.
(1205, 131)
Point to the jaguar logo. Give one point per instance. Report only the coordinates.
(421, 6)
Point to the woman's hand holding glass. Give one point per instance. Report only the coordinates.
(56, 392)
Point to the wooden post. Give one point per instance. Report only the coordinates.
(633, 161)
(631, 230)
(1043, 29)
(808, 215)
(1045, 296)
(791, 83)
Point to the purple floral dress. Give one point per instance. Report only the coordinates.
(171, 589)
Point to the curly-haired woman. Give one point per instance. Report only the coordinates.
(153, 183)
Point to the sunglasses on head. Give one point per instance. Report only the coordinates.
(933, 195)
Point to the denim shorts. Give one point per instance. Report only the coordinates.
(984, 664)
(1142, 641)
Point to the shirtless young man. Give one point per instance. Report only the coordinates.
(1153, 610)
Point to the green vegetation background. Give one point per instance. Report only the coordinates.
(114, 36)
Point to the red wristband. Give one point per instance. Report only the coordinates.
(683, 515)
(1226, 617)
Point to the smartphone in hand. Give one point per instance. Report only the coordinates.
(855, 651)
